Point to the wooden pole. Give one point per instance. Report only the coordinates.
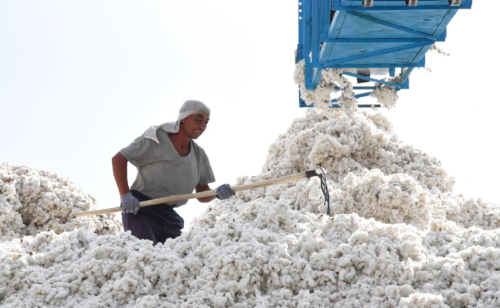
(213, 192)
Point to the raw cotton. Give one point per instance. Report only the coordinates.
(386, 94)
(398, 237)
(33, 200)
(439, 50)
(332, 81)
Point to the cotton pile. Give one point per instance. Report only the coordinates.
(398, 237)
(33, 200)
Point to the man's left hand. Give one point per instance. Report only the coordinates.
(225, 192)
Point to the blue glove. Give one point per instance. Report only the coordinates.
(225, 192)
(129, 204)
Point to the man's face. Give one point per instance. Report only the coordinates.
(195, 124)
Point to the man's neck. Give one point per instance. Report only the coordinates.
(180, 139)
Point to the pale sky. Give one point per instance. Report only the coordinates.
(79, 80)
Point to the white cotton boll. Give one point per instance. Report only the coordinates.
(411, 249)
(422, 300)
(393, 199)
(332, 78)
(321, 96)
(219, 301)
(439, 50)
(471, 212)
(327, 147)
(359, 237)
(392, 291)
(62, 293)
(385, 95)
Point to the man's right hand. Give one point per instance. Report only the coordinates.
(129, 204)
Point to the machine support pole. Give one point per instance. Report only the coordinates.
(300, 45)
(306, 10)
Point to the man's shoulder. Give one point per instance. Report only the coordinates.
(198, 149)
(164, 139)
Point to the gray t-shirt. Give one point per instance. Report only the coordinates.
(163, 172)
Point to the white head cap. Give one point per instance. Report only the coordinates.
(192, 107)
(188, 108)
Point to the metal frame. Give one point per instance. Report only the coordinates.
(452, 4)
(314, 23)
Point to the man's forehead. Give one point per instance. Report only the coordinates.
(199, 116)
(203, 115)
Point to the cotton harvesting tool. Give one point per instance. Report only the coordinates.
(320, 172)
(370, 37)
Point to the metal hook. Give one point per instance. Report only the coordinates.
(324, 188)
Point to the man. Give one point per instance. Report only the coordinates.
(169, 163)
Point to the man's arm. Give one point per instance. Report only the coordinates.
(129, 203)
(120, 172)
(201, 188)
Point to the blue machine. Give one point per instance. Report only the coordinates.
(375, 37)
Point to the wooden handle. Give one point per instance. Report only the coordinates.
(208, 193)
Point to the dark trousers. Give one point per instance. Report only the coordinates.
(156, 223)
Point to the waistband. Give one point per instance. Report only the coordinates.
(164, 211)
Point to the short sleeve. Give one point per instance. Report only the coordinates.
(137, 151)
(206, 173)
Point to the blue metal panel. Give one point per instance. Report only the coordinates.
(401, 55)
(391, 8)
(379, 24)
(370, 65)
(378, 40)
(387, 35)
(397, 5)
(386, 22)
